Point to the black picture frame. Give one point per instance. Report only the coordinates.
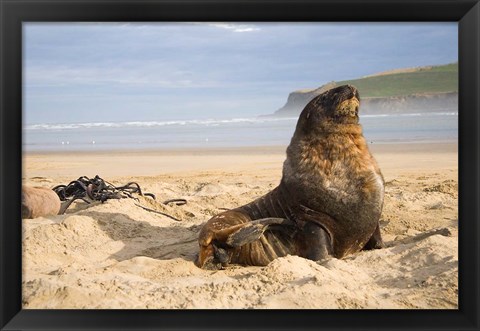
(14, 12)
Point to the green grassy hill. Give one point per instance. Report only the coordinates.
(422, 89)
(435, 79)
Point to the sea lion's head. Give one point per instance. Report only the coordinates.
(335, 110)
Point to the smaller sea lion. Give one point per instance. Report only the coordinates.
(328, 202)
(39, 201)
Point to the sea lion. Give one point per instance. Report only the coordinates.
(39, 201)
(328, 202)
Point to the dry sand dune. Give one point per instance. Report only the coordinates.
(118, 255)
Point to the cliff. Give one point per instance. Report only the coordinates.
(408, 90)
(413, 103)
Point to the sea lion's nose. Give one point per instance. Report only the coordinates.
(354, 92)
(353, 89)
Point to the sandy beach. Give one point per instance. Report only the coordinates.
(118, 255)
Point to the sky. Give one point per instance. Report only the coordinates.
(116, 72)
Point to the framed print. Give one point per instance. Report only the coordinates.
(239, 165)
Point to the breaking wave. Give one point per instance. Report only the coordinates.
(136, 124)
(207, 122)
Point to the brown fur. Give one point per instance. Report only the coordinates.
(39, 201)
(331, 189)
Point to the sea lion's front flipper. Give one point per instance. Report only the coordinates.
(317, 242)
(318, 230)
(253, 230)
(375, 241)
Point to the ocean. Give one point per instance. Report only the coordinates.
(236, 132)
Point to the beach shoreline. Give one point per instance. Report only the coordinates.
(176, 160)
(118, 255)
(445, 146)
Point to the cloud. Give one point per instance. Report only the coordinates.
(235, 27)
(146, 76)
